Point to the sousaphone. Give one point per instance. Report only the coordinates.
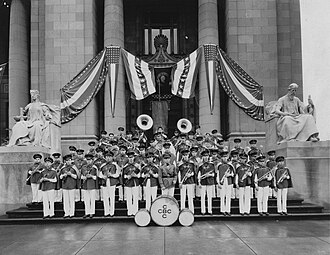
(184, 125)
(144, 122)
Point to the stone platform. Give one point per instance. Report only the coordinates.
(14, 162)
(309, 164)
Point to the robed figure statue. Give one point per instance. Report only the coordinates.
(38, 125)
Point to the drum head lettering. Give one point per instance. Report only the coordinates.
(164, 210)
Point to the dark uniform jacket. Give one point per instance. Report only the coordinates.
(129, 168)
(49, 173)
(207, 167)
(36, 169)
(286, 183)
(241, 172)
(152, 169)
(68, 182)
(89, 183)
(184, 168)
(107, 169)
(259, 172)
(167, 176)
(222, 169)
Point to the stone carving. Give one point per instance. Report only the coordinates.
(38, 125)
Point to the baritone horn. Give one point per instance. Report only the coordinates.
(184, 125)
(144, 122)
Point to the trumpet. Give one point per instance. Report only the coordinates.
(185, 177)
(35, 170)
(246, 174)
(224, 176)
(206, 175)
(283, 176)
(265, 176)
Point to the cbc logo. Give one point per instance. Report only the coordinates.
(164, 211)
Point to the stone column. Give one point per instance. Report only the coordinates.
(114, 35)
(208, 33)
(19, 79)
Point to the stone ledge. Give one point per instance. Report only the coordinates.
(19, 154)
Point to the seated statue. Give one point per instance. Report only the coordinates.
(35, 126)
(294, 122)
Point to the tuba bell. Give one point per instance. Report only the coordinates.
(144, 122)
(184, 125)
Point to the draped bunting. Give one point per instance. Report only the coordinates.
(240, 87)
(184, 75)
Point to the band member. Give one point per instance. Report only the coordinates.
(91, 149)
(109, 173)
(169, 148)
(254, 163)
(89, 185)
(149, 174)
(262, 180)
(104, 140)
(271, 163)
(121, 160)
(57, 165)
(167, 175)
(79, 162)
(234, 160)
(68, 177)
(186, 180)
(196, 160)
(131, 174)
(243, 180)
(48, 184)
(205, 177)
(73, 151)
(98, 161)
(283, 182)
(225, 180)
(237, 146)
(33, 178)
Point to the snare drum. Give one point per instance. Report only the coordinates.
(186, 217)
(164, 210)
(142, 218)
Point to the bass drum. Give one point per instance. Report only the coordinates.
(142, 218)
(186, 217)
(164, 210)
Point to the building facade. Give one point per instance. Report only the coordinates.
(50, 42)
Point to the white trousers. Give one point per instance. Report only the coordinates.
(244, 199)
(58, 195)
(48, 198)
(120, 192)
(109, 199)
(282, 195)
(36, 193)
(187, 189)
(150, 195)
(132, 199)
(225, 197)
(77, 195)
(262, 199)
(68, 202)
(169, 192)
(207, 190)
(89, 201)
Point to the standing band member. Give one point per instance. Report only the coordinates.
(243, 180)
(167, 175)
(225, 180)
(68, 177)
(89, 185)
(57, 165)
(272, 165)
(33, 178)
(262, 180)
(186, 180)
(109, 173)
(205, 177)
(283, 182)
(149, 174)
(48, 184)
(131, 174)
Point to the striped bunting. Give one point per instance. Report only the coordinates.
(184, 75)
(113, 55)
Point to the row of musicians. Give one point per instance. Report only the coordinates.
(200, 180)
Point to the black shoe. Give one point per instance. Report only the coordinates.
(280, 213)
(228, 214)
(85, 216)
(52, 217)
(285, 213)
(224, 214)
(266, 214)
(111, 215)
(66, 216)
(91, 216)
(105, 216)
(242, 214)
(260, 214)
(45, 217)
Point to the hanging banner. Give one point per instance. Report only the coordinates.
(113, 56)
(184, 75)
(240, 87)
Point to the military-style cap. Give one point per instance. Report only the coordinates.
(243, 155)
(67, 157)
(176, 131)
(183, 135)
(271, 153)
(37, 155)
(111, 134)
(261, 157)
(135, 138)
(184, 151)
(129, 132)
(191, 132)
(224, 153)
(253, 141)
(121, 129)
(142, 146)
(91, 143)
(199, 137)
(279, 158)
(237, 140)
(167, 144)
(205, 153)
(99, 149)
(214, 150)
(108, 153)
(220, 140)
(103, 132)
(56, 154)
(166, 155)
(89, 156)
(80, 151)
(150, 154)
(48, 159)
(113, 142)
(253, 153)
(123, 147)
(194, 148)
(214, 131)
(233, 153)
(72, 148)
(130, 153)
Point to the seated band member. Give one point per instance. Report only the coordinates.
(48, 184)
(68, 177)
(262, 180)
(225, 180)
(149, 174)
(205, 177)
(131, 174)
(109, 173)
(283, 182)
(243, 180)
(33, 178)
(167, 175)
(186, 180)
(88, 185)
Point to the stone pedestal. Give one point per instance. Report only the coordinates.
(14, 163)
(309, 164)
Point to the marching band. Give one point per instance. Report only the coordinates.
(199, 165)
